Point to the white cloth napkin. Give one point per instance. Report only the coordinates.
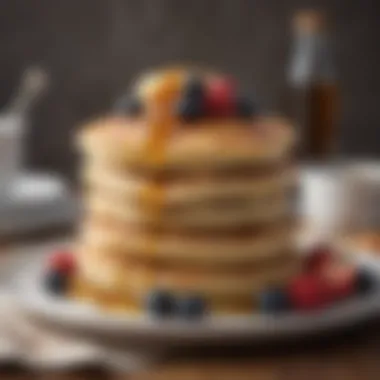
(25, 341)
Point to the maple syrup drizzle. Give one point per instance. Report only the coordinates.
(161, 123)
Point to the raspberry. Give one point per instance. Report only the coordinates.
(62, 261)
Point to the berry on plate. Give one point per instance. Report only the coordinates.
(191, 307)
(62, 261)
(56, 282)
(274, 300)
(319, 257)
(340, 280)
(308, 292)
(160, 303)
(364, 281)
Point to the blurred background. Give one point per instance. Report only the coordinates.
(93, 48)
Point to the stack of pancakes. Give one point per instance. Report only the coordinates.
(211, 216)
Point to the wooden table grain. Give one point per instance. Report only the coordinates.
(352, 354)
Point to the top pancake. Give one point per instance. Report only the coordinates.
(204, 144)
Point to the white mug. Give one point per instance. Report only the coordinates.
(338, 199)
(321, 203)
(362, 196)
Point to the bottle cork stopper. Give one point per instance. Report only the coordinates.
(309, 20)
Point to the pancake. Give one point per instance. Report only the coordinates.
(211, 144)
(88, 256)
(193, 206)
(208, 217)
(139, 278)
(180, 247)
(125, 187)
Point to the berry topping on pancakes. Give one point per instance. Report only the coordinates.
(192, 103)
(220, 97)
(188, 96)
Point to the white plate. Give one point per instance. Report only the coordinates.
(87, 318)
(366, 257)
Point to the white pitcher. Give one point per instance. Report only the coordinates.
(13, 120)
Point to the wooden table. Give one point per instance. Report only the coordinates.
(350, 356)
(346, 355)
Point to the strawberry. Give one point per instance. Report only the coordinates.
(319, 257)
(307, 292)
(62, 261)
(220, 97)
(340, 280)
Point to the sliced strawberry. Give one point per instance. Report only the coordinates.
(62, 261)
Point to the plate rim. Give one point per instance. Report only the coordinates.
(35, 301)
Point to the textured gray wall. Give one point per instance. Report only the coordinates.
(94, 47)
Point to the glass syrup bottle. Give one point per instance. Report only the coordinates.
(311, 96)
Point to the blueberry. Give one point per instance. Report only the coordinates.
(245, 107)
(160, 303)
(129, 105)
(194, 88)
(190, 109)
(191, 307)
(365, 281)
(192, 103)
(274, 300)
(56, 282)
